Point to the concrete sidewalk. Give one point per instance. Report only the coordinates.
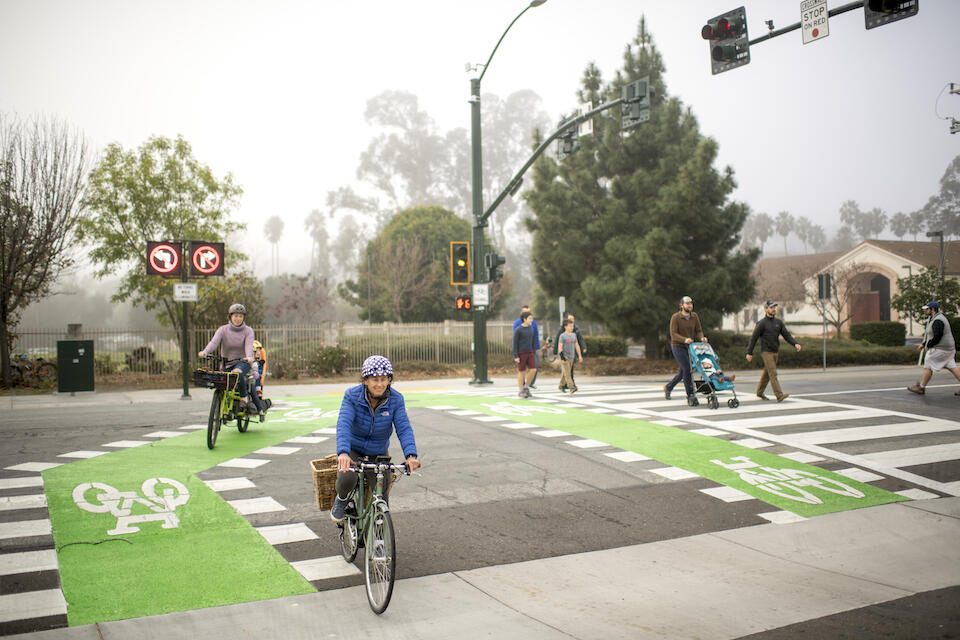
(719, 585)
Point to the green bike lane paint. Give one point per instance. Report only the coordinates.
(800, 488)
(192, 550)
(138, 534)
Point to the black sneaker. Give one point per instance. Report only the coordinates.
(692, 401)
(666, 392)
(339, 510)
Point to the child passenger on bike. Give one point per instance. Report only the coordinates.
(369, 414)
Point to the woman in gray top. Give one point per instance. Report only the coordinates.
(235, 340)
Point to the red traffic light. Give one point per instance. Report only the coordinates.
(709, 32)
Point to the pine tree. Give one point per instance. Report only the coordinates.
(632, 222)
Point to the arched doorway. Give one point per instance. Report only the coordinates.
(870, 301)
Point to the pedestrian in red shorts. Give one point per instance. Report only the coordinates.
(524, 353)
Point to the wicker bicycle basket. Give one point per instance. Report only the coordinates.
(325, 480)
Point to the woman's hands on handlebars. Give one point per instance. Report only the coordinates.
(412, 463)
(345, 463)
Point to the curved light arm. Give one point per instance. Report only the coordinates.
(534, 3)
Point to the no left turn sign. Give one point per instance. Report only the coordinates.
(163, 258)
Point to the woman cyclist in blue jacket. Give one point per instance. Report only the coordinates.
(369, 414)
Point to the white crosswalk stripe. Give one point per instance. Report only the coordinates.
(895, 439)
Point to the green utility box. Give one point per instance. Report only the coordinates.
(74, 365)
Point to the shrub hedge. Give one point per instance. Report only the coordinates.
(605, 346)
(888, 334)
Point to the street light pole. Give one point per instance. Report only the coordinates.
(479, 223)
(909, 268)
(934, 234)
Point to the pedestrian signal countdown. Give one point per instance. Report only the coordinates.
(206, 258)
(464, 303)
(163, 258)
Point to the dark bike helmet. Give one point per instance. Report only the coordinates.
(376, 366)
(236, 308)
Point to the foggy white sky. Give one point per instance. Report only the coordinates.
(274, 92)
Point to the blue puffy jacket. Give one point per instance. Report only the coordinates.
(361, 431)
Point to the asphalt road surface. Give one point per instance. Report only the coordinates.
(499, 488)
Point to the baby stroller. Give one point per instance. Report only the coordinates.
(712, 378)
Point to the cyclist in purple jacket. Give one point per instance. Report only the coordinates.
(235, 340)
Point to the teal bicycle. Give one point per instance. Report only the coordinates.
(368, 524)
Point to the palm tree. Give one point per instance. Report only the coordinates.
(273, 229)
(802, 229)
(784, 224)
(900, 225)
(320, 253)
(762, 226)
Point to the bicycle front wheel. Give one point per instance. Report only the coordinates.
(213, 422)
(380, 559)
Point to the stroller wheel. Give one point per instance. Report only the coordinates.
(733, 403)
(713, 402)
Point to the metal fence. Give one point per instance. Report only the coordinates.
(158, 351)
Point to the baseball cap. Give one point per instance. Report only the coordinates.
(932, 305)
(686, 299)
(769, 303)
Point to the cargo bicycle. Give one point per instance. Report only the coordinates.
(225, 404)
(368, 524)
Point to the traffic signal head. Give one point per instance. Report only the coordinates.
(464, 303)
(459, 262)
(729, 43)
(568, 144)
(635, 106)
(877, 13)
(494, 265)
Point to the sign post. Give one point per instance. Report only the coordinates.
(179, 258)
(823, 293)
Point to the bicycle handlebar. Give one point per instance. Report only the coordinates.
(377, 466)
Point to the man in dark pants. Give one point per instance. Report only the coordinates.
(684, 329)
(768, 331)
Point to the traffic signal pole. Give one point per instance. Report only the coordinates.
(773, 33)
(480, 216)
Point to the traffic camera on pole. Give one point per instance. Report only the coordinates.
(729, 44)
(459, 262)
(635, 106)
(877, 13)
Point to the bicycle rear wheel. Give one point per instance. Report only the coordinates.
(243, 420)
(380, 559)
(213, 422)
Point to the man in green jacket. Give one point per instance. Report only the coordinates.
(768, 331)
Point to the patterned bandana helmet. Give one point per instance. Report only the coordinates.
(376, 366)
(257, 345)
